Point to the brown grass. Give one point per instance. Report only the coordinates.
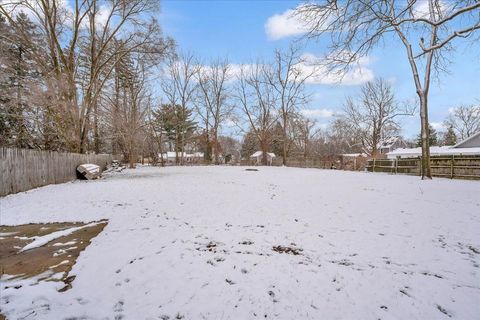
(45, 260)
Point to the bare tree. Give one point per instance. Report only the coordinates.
(132, 111)
(179, 87)
(287, 79)
(342, 137)
(426, 29)
(465, 120)
(304, 132)
(214, 107)
(94, 26)
(374, 115)
(257, 101)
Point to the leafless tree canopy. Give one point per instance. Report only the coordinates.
(287, 81)
(214, 105)
(82, 46)
(465, 121)
(257, 102)
(375, 114)
(425, 28)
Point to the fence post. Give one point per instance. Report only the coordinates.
(373, 165)
(452, 166)
(396, 165)
(420, 164)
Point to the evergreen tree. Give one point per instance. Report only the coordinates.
(277, 139)
(433, 141)
(450, 138)
(249, 145)
(176, 122)
(18, 78)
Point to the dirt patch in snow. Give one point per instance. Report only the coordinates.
(57, 256)
(288, 250)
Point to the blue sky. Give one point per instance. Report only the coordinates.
(237, 30)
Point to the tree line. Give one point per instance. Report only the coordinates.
(99, 76)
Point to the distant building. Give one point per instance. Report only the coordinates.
(256, 158)
(471, 142)
(390, 144)
(170, 157)
(469, 146)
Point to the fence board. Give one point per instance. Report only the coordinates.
(23, 169)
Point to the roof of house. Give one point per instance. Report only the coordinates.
(434, 151)
(388, 142)
(469, 139)
(260, 153)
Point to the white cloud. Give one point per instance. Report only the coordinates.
(317, 113)
(358, 74)
(421, 8)
(230, 123)
(284, 25)
(236, 69)
(101, 18)
(437, 126)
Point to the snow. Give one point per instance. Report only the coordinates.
(197, 242)
(59, 264)
(434, 151)
(90, 167)
(42, 240)
(61, 244)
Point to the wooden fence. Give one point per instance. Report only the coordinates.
(23, 169)
(462, 167)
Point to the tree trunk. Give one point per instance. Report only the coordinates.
(215, 137)
(95, 129)
(264, 149)
(284, 151)
(425, 134)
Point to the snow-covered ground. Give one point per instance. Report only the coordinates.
(196, 242)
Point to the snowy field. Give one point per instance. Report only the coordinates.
(196, 243)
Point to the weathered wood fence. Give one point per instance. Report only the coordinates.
(461, 167)
(23, 169)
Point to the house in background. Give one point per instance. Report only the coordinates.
(469, 146)
(256, 158)
(471, 142)
(188, 158)
(390, 144)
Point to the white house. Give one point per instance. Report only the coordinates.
(469, 146)
(170, 156)
(257, 158)
(387, 145)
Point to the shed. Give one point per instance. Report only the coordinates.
(258, 155)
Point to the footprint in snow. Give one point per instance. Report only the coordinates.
(118, 307)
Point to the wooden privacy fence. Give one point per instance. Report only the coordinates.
(462, 167)
(23, 169)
